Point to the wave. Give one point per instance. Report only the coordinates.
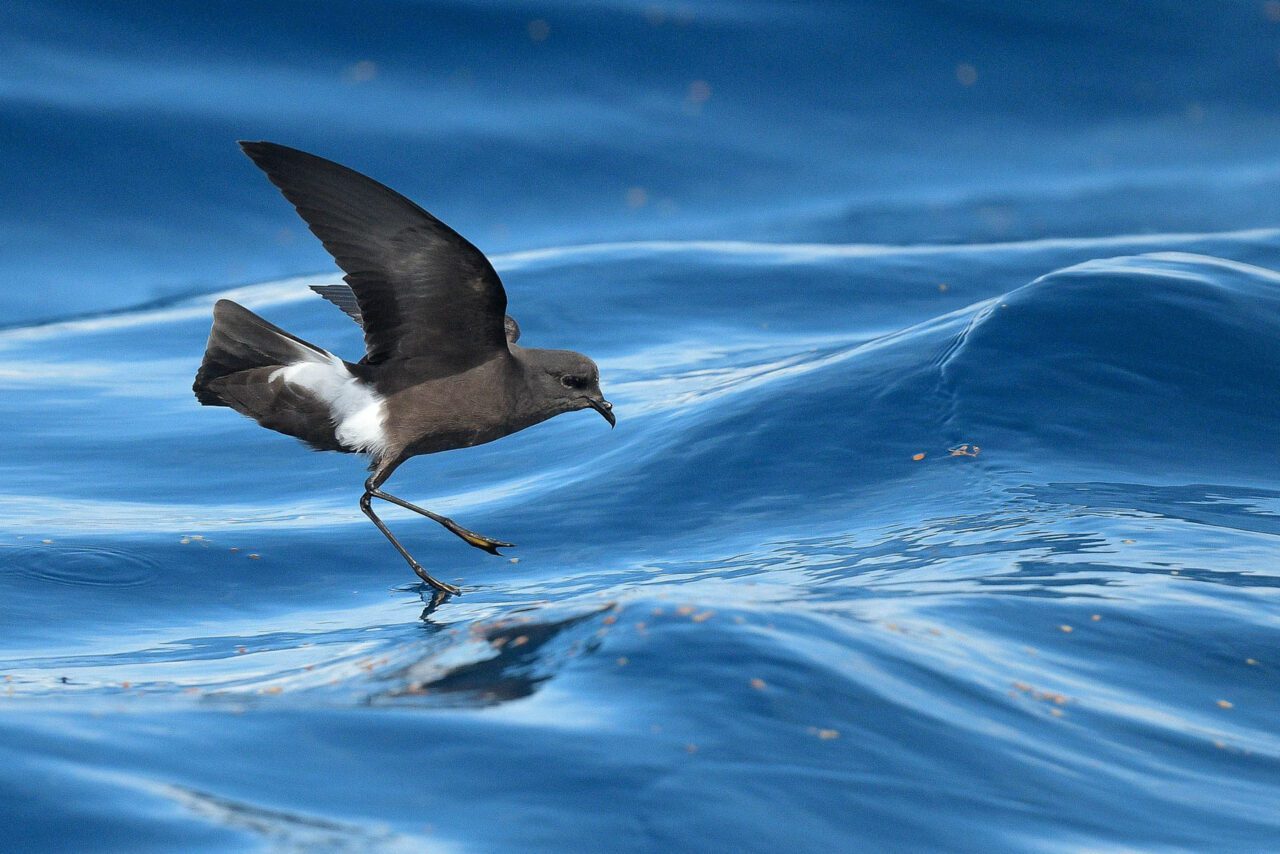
(1018, 529)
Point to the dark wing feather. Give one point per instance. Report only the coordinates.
(421, 288)
(344, 298)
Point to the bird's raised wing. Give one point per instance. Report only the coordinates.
(344, 298)
(420, 288)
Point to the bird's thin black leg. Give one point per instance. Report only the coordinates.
(366, 506)
(480, 541)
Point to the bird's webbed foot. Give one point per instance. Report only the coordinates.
(435, 583)
(480, 541)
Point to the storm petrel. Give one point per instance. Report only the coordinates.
(441, 370)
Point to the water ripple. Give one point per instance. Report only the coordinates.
(81, 565)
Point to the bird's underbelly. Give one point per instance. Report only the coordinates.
(448, 433)
(425, 419)
(458, 411)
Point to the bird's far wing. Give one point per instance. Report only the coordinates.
(421, 288)
(344, 298)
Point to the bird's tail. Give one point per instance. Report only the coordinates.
(243, 366)
(242, 341)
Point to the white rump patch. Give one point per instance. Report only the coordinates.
(358, 412)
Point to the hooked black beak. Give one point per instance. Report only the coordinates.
(605, 408)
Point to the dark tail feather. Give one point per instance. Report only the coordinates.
(240, 371)
(242, 341)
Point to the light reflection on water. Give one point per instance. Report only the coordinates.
(813, 249)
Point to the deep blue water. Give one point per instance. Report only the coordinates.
(943, 508)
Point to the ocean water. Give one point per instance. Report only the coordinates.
(943, 508)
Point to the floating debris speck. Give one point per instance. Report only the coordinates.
(698, 93)
(539, 30)
(361, 72)
(1054, 697)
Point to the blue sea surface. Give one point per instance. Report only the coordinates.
(943, 510)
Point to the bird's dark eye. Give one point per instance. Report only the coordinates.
(573, 382)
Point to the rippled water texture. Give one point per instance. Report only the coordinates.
(941, 513)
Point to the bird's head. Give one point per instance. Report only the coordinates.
(566, 381)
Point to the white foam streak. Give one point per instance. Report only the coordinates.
(295, 289)
(802, 252)
(250, 296)
(62, 516)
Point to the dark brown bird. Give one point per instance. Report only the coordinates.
(441, 369)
